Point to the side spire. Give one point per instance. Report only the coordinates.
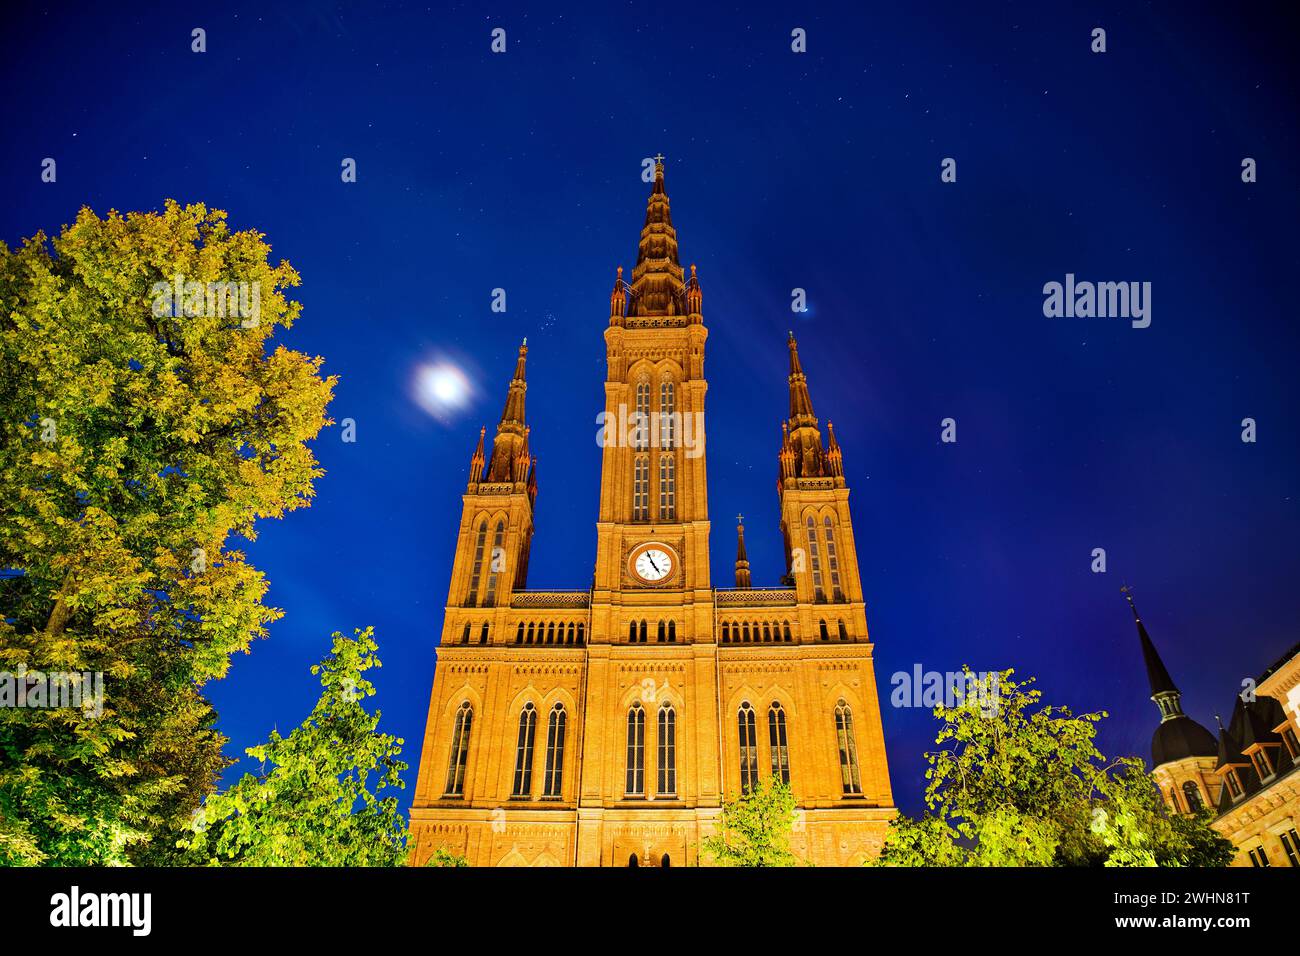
(804, 439)
(1157, 674)
(742, 559)
(510, 457)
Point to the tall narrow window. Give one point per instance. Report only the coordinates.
(642, 632)
(1258, 857)
(631, 632)
(748, 746)
(815, 560)
(667, 487)
(844, 632)
(483, 633)
(635, 751)
(777, 743)
(663, 632)
(1292, 744)
(641, 426)
(667, 751)
(496, 564)
(832, 560)
(472, 598)
(641, 488)
(667, 415)
(1291, 843)
(1234, 786)
(672, 632)
(552, 783)
(524, 751)
(1193, 796)
(459, 751)
(849, 776)
(519, 633)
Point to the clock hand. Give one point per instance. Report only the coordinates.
(652, 563)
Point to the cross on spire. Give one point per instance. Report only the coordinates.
(660, 158)
(740, 519)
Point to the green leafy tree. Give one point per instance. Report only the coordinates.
(317, 799)
(139, 434)
(1016, 783)
(444, 857)
(754, 829)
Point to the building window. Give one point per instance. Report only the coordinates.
(641, 488)
(815, 560)
(459, 751)
(1291, 843)
(642, 632)
(785, 628)
(1234, 786)
(777, 744)
(667, 487)
(641, 430)
(496, 564)
(1292, 744)
(849, 776)
(832, 560)
(1260, 760)
(672, 632)
(844, 632)
(667, 408)
(1258, 857)
(472, 598)
(1193, 797)
(582, 630)
(825, 634)
(464, 636)
(519, 633)
(748, 747)
(662, 637)
(636, 751)
(483, 633)
(667, 751)
(524, 751)
(552, 783)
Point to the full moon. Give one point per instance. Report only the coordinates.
(442, 389)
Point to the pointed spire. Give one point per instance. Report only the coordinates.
(512, 434)
(742, 559)
(800, 401)
(657, 287)
(834, 457)
(477, 459)
(694, 296)
(618, 300)
(1157, 674)
(1178, 736)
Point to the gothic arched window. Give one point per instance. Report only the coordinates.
(631, 632)
(667, 751)
(641, 425)
(524, 751)
(667, 487)
(464, 637)
(642, 631)
(849, 775)
(581, 630)
(667, 414)
(483, 633)
(641, 488)
(748, 746)
(824, 634)
(832, 560)
(496, 564)
(672, 632)
(519, 633)
(477, 569)
(1193, 796)
(459, 751)
(663, 632)
(553, 780)
(777, 743)
(844, 632)
(786, 628)
(815, 560)
(635, 786)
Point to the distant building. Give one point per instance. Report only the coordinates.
(1250, 775)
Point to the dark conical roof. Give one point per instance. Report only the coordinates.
(1180, 738)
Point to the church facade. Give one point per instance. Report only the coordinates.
(606, 726)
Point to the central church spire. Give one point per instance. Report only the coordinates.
(657, 287)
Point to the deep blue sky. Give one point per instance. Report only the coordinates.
(820, 171)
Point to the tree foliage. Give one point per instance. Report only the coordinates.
(135, 442)
(1022, 784)
(316, 800)
(754, 829)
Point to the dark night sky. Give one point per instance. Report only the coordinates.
(820, 171)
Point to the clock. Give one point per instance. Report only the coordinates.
(653, 563)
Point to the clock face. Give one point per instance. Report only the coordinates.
(653, 564)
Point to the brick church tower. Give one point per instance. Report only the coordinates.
(606, 726)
